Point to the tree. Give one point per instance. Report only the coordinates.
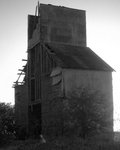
(86, 111)
(7, 124)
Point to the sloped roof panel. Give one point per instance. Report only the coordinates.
(78, 57)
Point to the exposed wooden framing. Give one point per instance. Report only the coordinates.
(24, 66)
(18, 82)
(38, 8)
(24, 59)
(21, 73)
(20, 69)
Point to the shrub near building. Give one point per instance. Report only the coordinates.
(7, 124)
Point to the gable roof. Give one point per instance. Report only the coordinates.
(78, 57)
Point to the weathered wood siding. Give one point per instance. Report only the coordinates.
(51, 104)
(57, 24)
(62, 25)
(95, 80)
(21, 106)
(40, 89)
(100, 81)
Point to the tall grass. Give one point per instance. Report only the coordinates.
(97, 142)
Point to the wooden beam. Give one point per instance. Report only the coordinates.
(18, 82)
(20, 69)
(38, 8)
(24, 59)
(20, 73)
(36, 11)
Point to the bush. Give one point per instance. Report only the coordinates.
(7, 123)
(86, 112)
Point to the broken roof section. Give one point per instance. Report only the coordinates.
(21, 80)
(78, 57)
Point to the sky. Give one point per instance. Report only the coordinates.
(103, 34)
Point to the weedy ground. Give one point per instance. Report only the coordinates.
(104, 142)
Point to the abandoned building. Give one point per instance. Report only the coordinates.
(59, 62)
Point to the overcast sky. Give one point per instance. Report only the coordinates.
(103, 35)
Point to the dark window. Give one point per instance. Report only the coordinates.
(35, 120)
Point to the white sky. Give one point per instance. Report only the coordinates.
(103, 34)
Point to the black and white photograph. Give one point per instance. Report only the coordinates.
(60, 75)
